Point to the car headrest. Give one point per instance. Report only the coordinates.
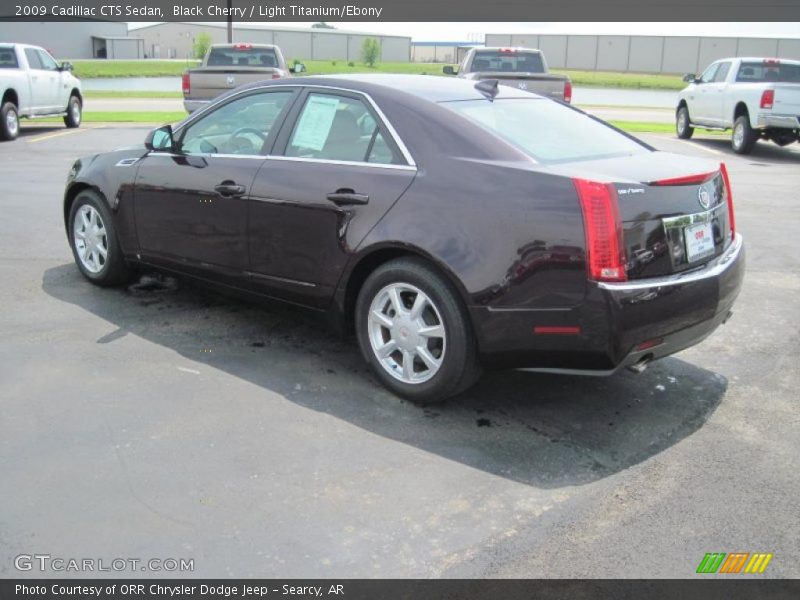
(771, 75)
(480, 64)
(344, 128)
(267, 59)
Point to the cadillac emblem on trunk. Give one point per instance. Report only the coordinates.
(703, 197)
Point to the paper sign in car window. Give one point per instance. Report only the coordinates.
(315, 124)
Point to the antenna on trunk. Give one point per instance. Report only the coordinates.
(488, 87)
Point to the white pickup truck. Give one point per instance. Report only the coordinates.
(33, 85)
(756, 97)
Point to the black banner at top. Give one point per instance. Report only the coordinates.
(268, 11)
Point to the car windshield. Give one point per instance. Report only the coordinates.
(508, 61)
(242, 56)
(547, 131)
(762, 72)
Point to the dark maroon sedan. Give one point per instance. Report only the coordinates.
(452, 225)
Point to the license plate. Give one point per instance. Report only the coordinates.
(699, 241)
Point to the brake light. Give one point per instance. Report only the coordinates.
(568, 91)
(276, 75)
(687, 180)
(186, 84)
(242, 46)
(772, 61)
(605, 257)
(729, 196)
(507, 51)
(767, 98)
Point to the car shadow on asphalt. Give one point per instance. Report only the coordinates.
(547, 431)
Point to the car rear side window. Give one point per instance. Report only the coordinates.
(546, 130)
(242, 56)
(8, 59)
(241, 126)
(33, 59)
(333, 127)
(508, 61)
(768, 71)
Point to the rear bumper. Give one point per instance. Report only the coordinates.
(765, 120)
(671, 313)
(193, 105)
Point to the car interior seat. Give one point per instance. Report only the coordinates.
(344, 139)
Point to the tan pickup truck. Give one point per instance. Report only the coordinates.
(227, 66)
(522, 68)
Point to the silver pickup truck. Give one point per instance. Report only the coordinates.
(227, 66)
(34, 85)
(522, 68)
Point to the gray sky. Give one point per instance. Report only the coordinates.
(434, 32)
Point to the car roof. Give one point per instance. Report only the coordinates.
(427, 87)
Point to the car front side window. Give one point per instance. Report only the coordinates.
(241, 126)
(709, 73)
(47, 61)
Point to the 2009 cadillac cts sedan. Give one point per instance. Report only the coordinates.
(453, 225)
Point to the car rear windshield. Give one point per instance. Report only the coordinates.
(8, 59)
(508, 61)
(762, 72)
(546, 130)
(243, 56)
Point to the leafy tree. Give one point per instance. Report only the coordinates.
(201, 44)
(371, 51)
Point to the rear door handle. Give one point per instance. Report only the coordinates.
(230, 189)
(345, 196)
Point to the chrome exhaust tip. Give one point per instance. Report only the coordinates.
(640, 365)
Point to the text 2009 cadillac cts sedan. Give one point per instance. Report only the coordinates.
(452, 225)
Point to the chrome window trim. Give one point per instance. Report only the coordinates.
(389, 127)
(352, 163)
(713, 269)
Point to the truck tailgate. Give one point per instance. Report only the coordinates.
(546, 84)
(787, 99)
(210, 82)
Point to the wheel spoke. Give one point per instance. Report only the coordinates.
(85, 218)
(103, 251)
(382, 319)
(408, 365)
(428, 358)
(419, 305)
(387, 349)
(434, 331)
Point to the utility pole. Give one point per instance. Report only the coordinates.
(230, 22)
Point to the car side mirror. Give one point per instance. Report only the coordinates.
(690, 78)
(160, 140)
(297, 68)
(66, 66)
(448, 70)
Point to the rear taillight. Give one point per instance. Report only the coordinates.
(186, 84)
(605, 259)
(729, 196)
(568, 91)
(767, 98)
(276, 75)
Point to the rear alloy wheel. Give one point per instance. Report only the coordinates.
(414, 332)
(74, 112)
(744, 137)
(94, 241)
(9, 122)
(683, 125)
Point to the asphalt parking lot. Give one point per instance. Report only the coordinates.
(171, 422)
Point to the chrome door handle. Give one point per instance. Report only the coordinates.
(229, 189)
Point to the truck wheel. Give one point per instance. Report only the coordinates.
(683, 125)
(74, 112)
(414, 332)
(9, 122)
(744, 137)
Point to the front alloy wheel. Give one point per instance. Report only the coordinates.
(414, 331)
(90, 239)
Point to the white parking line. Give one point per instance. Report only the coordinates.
(700, 147)
(192, 371)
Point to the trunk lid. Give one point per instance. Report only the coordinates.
(673, 209)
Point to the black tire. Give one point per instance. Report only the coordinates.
(9, 130)
(683, 123)
(113, 270)
(743, 144)
(74, 114)
(459, 367)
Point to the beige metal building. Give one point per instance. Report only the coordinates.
(644, 54)
(175, 40)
